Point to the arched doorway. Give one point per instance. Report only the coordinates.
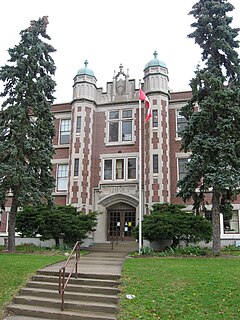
(121, 219)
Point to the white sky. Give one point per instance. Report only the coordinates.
(107, 33)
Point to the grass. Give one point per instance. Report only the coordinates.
(181, 288)
(15, 269)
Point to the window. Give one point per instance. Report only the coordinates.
(119, 169)
(120, 126)
(65, 131)
(155, 119)
(181, 122)
(76, 167)
(155, 163)
(62, 177)
(231, 225)
(108, 169)
(78, 126)
(131, 168)
(182, 170)
(123, 169)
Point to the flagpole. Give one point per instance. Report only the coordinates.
(140, 172)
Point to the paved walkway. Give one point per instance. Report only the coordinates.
(96, 263)
(106, 263)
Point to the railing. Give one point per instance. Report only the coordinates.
(114, 236)
(63, 281)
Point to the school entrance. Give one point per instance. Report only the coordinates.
(121, 221)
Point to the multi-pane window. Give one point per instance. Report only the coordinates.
(62, 177)
(65, 130)
(119, 169)
(181, 122)
(120, 126)
(182, 170)
(231, 225)
(155, 118)
(78, 125)
(76, 167)
(155, 163)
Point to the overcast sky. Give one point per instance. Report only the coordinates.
(108, 33)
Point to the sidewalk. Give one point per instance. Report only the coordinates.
(100, 260)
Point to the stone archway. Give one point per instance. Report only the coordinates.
(120, 215)
(121, 220)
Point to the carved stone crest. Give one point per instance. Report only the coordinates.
(121, 81)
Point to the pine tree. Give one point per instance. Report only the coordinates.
(26, 123)
(212, 134)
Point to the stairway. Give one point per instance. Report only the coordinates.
(92, 296)
(89, 297)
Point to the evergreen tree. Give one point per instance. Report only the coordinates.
(26, 123)
(172, 222)
(55, 222)
(212, 134)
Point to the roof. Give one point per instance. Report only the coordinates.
(85, 70)
(155, 62)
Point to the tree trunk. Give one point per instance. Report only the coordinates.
(216, 222)
(57, 242)
(175, 242)
(12, 223)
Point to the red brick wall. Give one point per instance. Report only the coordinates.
(3, 223)
(60, 200)
(86, 151)
(164, 151)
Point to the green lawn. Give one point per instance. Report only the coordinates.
(15, 269)
(181, 288)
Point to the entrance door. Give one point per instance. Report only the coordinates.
(121, 222)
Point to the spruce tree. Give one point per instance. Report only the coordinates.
(213, 133)
(26, 123)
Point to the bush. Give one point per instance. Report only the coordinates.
(178, 251)
(147, 251)
(55, 222)
(170, 221)
(231, 248)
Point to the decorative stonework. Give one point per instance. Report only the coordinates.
(106, 190)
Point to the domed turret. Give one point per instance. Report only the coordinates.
(84, 83)
(156, 75)
(85, 70)
(155, 62)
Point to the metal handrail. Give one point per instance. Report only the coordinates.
(63, 281)
(115, 235)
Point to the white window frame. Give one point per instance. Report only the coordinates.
(64, 178)
(157, 121)
(103, 173)
(155, 173)
(232, 231)
(178, 116)
(76, 167)
(178, 173)
(125, 172)
(60, 131)
(78, 130)
(120, 121)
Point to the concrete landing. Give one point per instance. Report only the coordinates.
(93, 263)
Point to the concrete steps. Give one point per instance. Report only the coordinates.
(92, 296)
(47, 313)
(88, 297)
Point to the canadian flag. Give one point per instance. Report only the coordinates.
(143, 97)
